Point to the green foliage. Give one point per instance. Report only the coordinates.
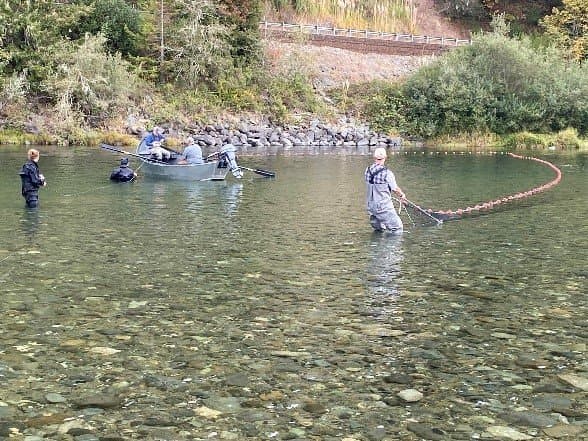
(569, 27)
(289, 94)
(88, 85)
(525, 141)
(237, 90)
(13, 91)
(119, 22)
(566, 139)
(28, 29)
(242, 17)
(198, 43)
(464, 8)
(385, 108)
(497, 85)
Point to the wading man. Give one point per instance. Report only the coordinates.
(32, 179)
(381, 183)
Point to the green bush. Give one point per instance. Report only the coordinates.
(567, 139)
(119, 22)
(88, 85)
(498, 85)
(525, 140)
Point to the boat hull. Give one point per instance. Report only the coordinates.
(209, 171)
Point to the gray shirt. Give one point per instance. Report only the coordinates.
(380, 185)
(193, 154)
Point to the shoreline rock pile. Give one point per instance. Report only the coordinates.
(252, 135)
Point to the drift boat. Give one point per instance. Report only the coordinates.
(210, 170)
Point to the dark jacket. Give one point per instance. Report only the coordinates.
(122, 174)
(30, 177)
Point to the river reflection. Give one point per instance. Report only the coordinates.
(386, 256)
(30, 222)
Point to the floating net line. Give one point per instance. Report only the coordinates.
(482, 208)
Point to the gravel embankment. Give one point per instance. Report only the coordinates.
(333, 67)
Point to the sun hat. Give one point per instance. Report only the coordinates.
(380, 153)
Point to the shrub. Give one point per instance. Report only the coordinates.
(497, 84)
(88, 84)
(13, 92)
(567, 139)
(119, 22)
(525, 140)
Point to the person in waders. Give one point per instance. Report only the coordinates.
(381, 183)
(32, 179)
(123, 173)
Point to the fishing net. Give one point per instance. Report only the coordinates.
(425, 216)
(415, 215)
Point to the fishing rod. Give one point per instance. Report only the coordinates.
(114, 149)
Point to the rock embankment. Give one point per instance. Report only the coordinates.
(252, 136)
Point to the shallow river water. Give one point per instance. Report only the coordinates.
(266, 309)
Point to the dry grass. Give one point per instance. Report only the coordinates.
(377, 15)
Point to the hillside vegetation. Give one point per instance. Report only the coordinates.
(77, 72)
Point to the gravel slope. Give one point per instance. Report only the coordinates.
(333, 67)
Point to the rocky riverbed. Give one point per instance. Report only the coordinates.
(282, 353)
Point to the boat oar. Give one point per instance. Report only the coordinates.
(265, 173)
(259, 171)
(114, 149)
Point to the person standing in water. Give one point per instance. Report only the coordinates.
(123, 173)
(32, 179)
(381, 183)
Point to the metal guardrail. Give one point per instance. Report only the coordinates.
(366, 34)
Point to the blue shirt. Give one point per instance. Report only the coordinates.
(193, 154)
(151, 138)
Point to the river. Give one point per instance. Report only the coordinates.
(266, 309)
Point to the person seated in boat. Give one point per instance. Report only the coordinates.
(192, 153)
(153, 142)
(123, 173)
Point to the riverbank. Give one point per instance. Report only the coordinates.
(337, 77)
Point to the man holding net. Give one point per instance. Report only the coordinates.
(381, 183)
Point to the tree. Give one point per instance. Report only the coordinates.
(568, 26)
(242, 17)
(197, 42)
(28, 28)
(119, 22)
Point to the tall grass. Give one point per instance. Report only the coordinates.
(378, 15)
